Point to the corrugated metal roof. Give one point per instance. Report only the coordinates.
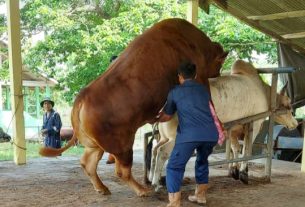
(284, 20)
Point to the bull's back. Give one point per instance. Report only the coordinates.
(242, 95)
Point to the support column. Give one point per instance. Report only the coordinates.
(192, 11)
(37, 102)
(15, 65)
(1, 98)
(26, 99)
(303, 152)
(8, 98)
(48, 92)
(271, 123)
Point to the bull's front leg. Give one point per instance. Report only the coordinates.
(162, 156)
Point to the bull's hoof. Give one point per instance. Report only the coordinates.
(244, 178)
(144, 193)
(234, 173)
(104, 191)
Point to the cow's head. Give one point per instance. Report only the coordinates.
(217, 60)
(286, 119)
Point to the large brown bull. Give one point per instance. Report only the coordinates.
(107, 113)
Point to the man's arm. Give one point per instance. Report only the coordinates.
(163, 117)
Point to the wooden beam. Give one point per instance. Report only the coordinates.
(275, 16)
(192, 11)
(31, 83)
(15, 65)
(222, 4)
(294, 35)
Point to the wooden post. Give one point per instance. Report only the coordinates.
(8, 100)
(271, 123)
(192, 11)
(251, 138)
(1, 99)
(228, 151)
(15, 65)
(37, 101)
(48, 92)
(303, 152)
(26, 98)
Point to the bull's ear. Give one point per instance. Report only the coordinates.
(284, 88)
(221, 58)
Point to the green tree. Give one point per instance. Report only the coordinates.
(82, 35)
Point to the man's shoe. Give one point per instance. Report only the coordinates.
(200, 194)
(174, 199)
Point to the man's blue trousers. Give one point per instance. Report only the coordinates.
(180, 155)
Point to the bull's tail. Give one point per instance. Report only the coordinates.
(53, 152)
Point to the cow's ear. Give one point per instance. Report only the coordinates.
(283, 90)
(221, 58)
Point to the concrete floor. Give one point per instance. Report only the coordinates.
(61, 182)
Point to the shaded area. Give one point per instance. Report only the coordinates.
(61, 182)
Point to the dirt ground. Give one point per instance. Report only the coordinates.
(61, 182)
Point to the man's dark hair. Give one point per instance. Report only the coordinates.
(187, 70)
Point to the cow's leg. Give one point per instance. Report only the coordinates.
(243, 175)
(123, 170)
(234, 171)
(162, 155)
(153, 163)
(155, 157)
(89, 163)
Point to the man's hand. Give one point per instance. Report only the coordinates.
(163, 117)
(43, 132)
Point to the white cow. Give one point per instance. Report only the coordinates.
(239, 95)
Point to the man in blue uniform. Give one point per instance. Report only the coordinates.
(51, 124)
(196, 130)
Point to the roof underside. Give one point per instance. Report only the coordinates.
(284, 20)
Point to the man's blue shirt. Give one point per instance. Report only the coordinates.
(191, 101)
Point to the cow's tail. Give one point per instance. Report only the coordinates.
(53, 152)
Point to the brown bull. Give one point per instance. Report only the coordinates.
(107, 113)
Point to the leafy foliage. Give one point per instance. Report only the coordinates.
(80, 36)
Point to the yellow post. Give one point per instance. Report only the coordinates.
(15, 65)
(192, 11)
(303, 152)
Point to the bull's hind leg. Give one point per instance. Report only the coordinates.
(89, 162)
(123, 170)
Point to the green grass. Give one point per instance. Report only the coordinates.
(7, 151)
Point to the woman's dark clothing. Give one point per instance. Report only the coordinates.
(53, 125)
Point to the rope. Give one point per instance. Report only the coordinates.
(14, 114)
